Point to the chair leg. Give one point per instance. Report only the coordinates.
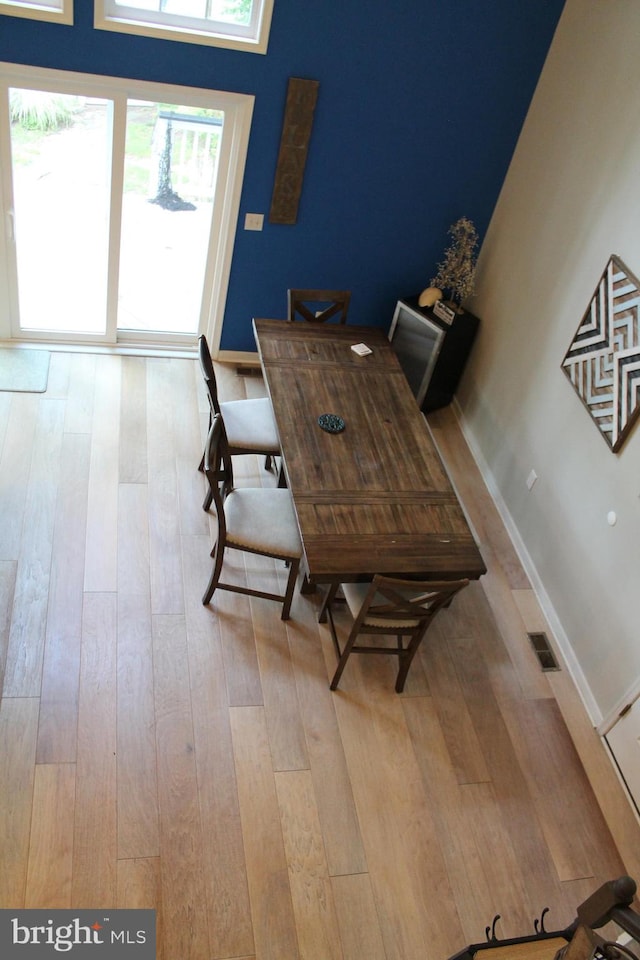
(268, 462)
(291, 583)
(406, 658)
(218, 554)
(344, 655)
(328, 600)
(342, 662)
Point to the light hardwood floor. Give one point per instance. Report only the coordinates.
(156, 753)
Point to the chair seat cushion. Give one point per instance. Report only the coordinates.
(355, 593)
(262, 519)
(250, 425)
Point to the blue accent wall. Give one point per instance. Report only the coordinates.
(419, 109)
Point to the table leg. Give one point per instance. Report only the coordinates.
(308, 586)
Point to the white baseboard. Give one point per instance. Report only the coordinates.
(238, 356)
(562, 640)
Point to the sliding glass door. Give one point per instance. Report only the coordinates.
(171, 162)
(120, 208)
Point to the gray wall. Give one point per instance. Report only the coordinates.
(571, 198)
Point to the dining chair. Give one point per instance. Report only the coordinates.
(259, 520)
(386, 605)
(250, 424)
(316, 306)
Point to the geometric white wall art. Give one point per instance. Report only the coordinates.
(603, 361)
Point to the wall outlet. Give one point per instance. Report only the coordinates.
(253, 221)
(531, 479)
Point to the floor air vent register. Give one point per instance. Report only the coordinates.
(543, 651)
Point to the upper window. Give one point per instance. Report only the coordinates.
(58, 11)
(242, 24)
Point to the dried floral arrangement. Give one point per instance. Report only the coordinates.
(456, 273)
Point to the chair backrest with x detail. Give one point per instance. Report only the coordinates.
(209, 375)
(395, 605)
(404, 608)
(218, 466)
(317, 306)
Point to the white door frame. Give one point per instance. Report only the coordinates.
(238, 111)
(619, 730)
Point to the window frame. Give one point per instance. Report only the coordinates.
(164, 26)
(54, 11)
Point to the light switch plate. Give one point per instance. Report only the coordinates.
(253, 221)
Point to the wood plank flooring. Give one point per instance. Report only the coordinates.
(156, 753)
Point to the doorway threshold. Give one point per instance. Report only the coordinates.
(179, 351)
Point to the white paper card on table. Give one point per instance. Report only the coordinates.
(361, 349)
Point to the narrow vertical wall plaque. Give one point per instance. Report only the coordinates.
(294, 146)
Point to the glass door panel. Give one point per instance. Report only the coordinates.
(61, 182)
(170, 168)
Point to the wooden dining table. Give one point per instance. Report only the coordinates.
(375, 497)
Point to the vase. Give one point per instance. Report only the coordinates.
(429, 296)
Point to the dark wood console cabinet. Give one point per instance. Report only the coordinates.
(432, 353)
